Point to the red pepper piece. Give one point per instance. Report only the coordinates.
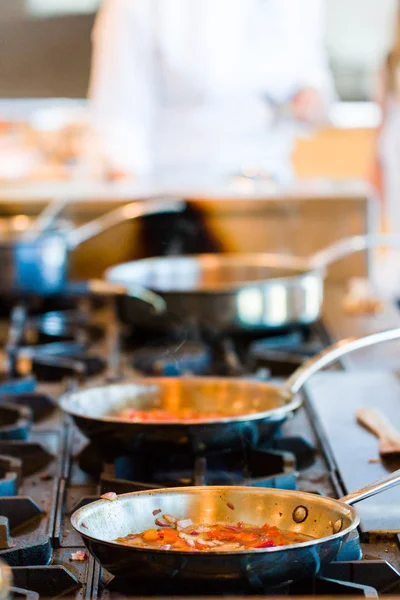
(265, 544)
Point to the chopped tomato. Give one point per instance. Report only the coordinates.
(151, 535)
(265, 544)
(222, 536)
(169, 535)
(248, 538)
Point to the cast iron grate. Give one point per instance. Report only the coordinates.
(40, 405)
(50, 581)
(146, 470)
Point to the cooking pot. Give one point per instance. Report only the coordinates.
(35, 261)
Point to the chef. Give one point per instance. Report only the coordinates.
(193, 86)
(386, 175)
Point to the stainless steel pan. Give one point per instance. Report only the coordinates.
(259, 407)
(329, 521)
(231, 293)
(35, 261)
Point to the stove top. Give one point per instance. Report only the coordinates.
(48, 470)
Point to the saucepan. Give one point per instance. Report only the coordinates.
(233, 293)
(35, 261)
(329, 522)
(255, 408)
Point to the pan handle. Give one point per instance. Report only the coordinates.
(133, 210)
(47, 217)
(332, 354)
(100, 287)
(347, 246)
(385, 483)
(104, 288)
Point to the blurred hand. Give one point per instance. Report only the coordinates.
(308, 106)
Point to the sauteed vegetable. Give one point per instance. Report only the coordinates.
(162, 415)
(184, 535)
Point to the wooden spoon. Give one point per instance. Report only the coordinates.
(389, 437)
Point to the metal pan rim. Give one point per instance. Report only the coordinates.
(75, 517)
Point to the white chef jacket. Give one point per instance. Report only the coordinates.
(183, 83)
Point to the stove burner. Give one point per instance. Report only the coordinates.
(23, 594)
(150, 468)
(40, 405)
(52, 345)
(317, 586)
(213, 355)
(332, 581)
(33, 456)
(38, 552)
(282, 355)
(51, 581)
(169, 360)
(18, 514)
(18, 385)
(54, 367)
(377, 574)
(15, 422)
(54, 361)
(10, 475)
(303, 451)
(62, 326)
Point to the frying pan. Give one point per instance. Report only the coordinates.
(232, 293)
(329, 521)
(258, 407)
(35, 261)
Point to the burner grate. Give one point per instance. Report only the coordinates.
(10, 475)
(37, 552)
(16, 422)
(46, 582)
(147, 469)
(374, 573)
(41, 406)
(42, 482)
(32, 455)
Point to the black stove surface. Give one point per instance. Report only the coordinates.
(47, 470)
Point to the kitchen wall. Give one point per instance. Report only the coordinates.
(43, 57)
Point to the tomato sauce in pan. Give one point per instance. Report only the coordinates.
(161, 415)
(184, 535)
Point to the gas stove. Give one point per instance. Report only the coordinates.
(48, 469)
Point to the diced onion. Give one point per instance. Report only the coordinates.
(203, 542)
(183, 523)
(110, 496)
(170, 519)
(187, 539)
(162, 523)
